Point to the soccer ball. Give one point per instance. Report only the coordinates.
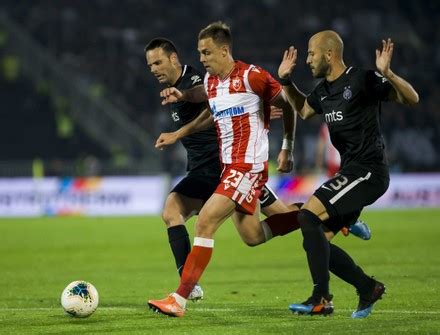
(80, 299)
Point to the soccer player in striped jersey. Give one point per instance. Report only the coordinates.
(239, 97)
(203, 164)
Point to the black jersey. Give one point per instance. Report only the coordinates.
(202, 147)
(351, 106)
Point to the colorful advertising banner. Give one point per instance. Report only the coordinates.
(122, 196)
(82, 196)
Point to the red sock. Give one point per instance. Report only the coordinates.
(195, 264)
(284, 223)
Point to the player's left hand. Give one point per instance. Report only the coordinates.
(285, 161)
(383, 57)
(165, 139)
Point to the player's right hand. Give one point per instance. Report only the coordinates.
(285, 161)
(165, 139)
(171, 95)
(288, 63)
(275, 112)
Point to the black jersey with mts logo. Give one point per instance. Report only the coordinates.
(202, 148)
(351, 105)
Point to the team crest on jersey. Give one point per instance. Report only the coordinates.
(195, 79)
(236, 83)
(347, 93)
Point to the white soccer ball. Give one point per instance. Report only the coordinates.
(80, 299)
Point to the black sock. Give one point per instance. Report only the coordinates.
(180, 245)
(318, 252)
(343, 266)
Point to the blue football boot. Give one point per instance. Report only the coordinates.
(367, 300)
(314, 306)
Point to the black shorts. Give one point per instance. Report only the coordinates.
(349, 191)
(201, 184)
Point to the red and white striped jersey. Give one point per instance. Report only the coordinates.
(240, 104)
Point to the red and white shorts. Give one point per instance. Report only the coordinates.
(242, 186)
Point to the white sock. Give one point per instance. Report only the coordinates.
(180, 300)
(203, 242)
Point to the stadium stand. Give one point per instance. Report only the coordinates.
(103, 40)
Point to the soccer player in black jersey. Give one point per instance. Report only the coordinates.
(349, 99)
(189, 195)
(203, 166)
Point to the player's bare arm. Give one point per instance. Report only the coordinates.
(201, 122)
(295, 96)
(171, 95)
(403, 92)
(285, 157)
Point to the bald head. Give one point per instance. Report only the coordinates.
(329, 40)
(325, 54)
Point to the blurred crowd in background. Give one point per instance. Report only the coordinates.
(103, 42)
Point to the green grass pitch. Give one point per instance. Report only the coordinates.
(247, 290)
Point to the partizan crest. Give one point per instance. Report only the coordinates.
(347, 93)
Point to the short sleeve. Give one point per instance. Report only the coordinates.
(313, 101)
(377, 86)
(263, 84)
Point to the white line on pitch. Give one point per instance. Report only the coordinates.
(388, 311)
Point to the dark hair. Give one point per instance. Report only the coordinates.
(219, 32)
(160, 42)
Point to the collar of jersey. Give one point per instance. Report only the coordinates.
(230, 72)
(184, 69)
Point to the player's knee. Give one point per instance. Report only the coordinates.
(204, 228)
(166, 217)
(309, 224)
(171, 218)
(251, 242)
(329, 235)
(306, 218)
